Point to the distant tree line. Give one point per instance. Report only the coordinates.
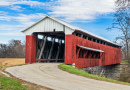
(14, 49)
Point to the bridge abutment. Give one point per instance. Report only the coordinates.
(110, 71)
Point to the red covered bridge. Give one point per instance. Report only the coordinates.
(51, 39)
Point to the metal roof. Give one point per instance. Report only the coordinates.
(71, 27)
(91, 49)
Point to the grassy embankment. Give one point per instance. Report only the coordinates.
(125, 62)
(80, 72)
(7, 83)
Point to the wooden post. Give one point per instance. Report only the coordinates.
(96, 40)
(77, 55)
(92, 39)
(85, 54)
(53, 41)
(58, 49)
(87, 37)
(81, 35)
(36, 43)
(42, 49)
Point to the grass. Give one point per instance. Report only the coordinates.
(7, 83)
(80, 72)
(122, 61)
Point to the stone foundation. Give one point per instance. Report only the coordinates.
(109, 71)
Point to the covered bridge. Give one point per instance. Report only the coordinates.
(52, 39)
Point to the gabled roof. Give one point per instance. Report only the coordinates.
(70, 26)
(55, 19)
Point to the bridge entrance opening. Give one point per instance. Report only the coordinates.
(50, 46)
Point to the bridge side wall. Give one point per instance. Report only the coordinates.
(30, 53)
(110, 56)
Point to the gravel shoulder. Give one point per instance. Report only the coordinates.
(48, 75)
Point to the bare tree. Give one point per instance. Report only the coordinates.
(122, 21)
(3, 50)
(15, 49)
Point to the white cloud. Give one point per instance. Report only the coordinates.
(11, 27)
(70, 10)
(81, 10)
(12, 34)
(28, 19)
(16, 8)
(23, 19)
(7, 36)
(20, 2)
(3, 13)
(3, 16)
(3, 42)
(15, 4)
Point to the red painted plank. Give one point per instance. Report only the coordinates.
(30, 56)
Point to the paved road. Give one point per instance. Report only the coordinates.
(48, 74)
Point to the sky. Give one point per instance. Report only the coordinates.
(92, 15)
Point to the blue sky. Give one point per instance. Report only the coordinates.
(92, 15)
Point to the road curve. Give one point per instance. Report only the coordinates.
(48, 75)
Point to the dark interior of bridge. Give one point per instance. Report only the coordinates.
(50, 46)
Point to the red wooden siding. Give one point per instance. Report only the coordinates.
(30, 54)
(110, 56)
(69, 49)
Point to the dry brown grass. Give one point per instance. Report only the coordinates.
(11, 61)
